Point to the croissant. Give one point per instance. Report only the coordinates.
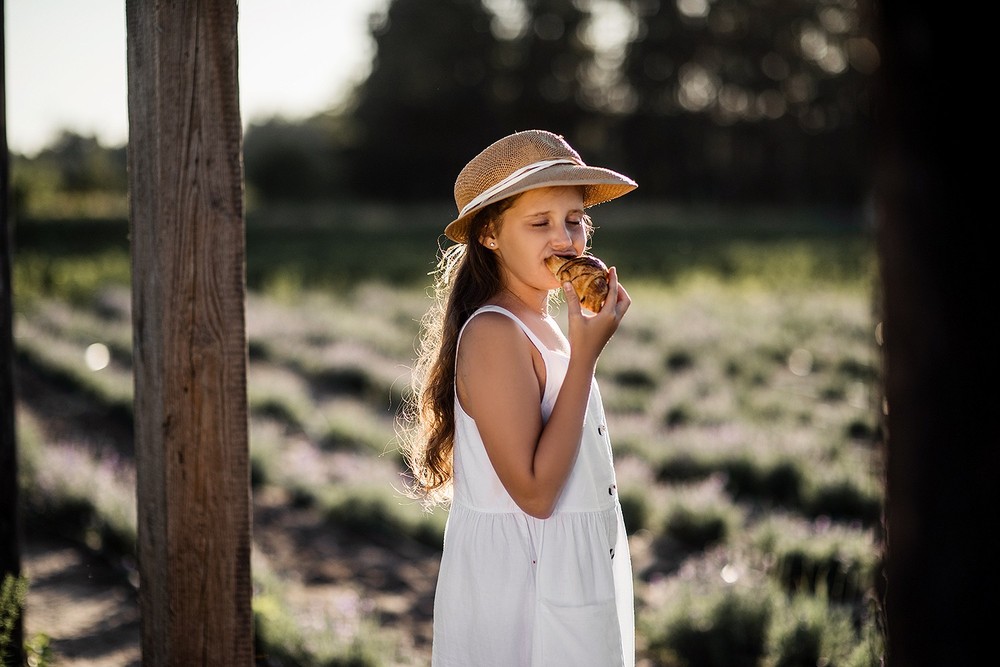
(587, 274)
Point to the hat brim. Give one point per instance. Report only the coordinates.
(600, 185)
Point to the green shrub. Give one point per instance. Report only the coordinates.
(698, 523)
(342, 636)
(379, 511)
(75, 279)
(753, 371)
(349, 380)
(726, 629)
(266, 442)
(13, 592)
(301, 495)
(861, 429)
(846, 498)
(636, 378)
(625, 400)
(823, 559)
(679, 360)
(776, 482)
(277, 408)
(278, 394)
(678, 415)
(73, 493)
(696, 530)
(38, 650)
(683, 467)
(806, 631)
(869, 651)
(354, 427)
(635, 510)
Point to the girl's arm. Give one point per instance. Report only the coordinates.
(498, 387)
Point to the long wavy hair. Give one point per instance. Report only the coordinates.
(467, 276)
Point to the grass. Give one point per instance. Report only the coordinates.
(742, 395)
(13, 592)
(342, 633)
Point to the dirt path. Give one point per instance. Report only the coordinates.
(87, 608)
(90, 612)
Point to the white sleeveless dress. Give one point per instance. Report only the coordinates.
(517, 591)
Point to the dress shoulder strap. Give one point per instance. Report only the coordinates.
(503, 311)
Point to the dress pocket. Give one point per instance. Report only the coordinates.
(584, 636)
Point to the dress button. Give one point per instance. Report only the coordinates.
(601, 429)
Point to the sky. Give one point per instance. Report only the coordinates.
(66, 63)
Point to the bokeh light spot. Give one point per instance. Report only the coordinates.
(97, 356)
(800, 362)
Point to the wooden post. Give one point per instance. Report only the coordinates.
(939, 282)
(189, 341)
(10, 533)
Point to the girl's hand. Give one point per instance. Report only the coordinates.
(588, 334)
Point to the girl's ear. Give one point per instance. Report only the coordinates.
(489, 241)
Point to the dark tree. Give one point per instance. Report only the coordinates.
(291, 160)
(84, 165)
(541, 73)
(750, 101)
(426, 101)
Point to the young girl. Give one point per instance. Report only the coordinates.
(510, 428)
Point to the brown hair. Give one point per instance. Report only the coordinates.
(467, 276)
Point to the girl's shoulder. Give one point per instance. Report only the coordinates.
(495, 335)
(496, 354)
(497, 324)
(492, 327)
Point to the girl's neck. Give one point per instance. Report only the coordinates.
(533, 301)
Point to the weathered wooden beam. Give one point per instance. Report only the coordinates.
(189, 340)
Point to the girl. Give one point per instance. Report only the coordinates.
(509, 424)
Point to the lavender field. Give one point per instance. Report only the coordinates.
(743, 400)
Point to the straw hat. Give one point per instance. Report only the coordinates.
(524, 161)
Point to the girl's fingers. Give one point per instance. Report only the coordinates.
(612, 303)
(572, 300)
(624, 301)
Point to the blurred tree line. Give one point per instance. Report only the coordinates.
(74, 175)
(756, 101)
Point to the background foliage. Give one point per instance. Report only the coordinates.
(731, 101)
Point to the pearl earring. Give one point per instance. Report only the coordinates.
(493, 244)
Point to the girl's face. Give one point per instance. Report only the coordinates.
(541, 223)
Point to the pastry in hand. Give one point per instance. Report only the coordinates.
(587, 274)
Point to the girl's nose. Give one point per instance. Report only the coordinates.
(562, 237)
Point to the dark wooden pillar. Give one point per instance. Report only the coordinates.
(938, 262)
(188, 277)
(10, 533)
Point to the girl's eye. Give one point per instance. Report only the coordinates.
(544, 222)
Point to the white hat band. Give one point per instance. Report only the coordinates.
(513, 178)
